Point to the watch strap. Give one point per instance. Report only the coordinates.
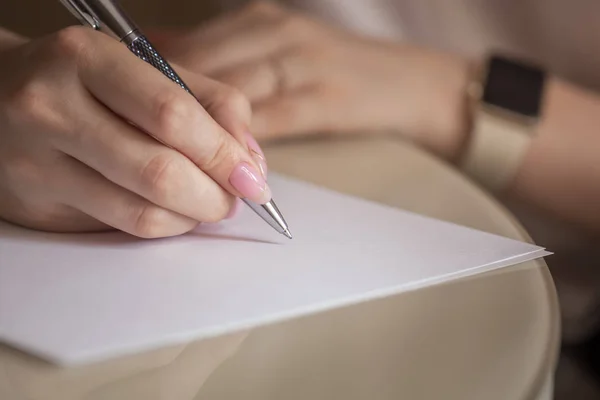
(506, 102)
(495, 150)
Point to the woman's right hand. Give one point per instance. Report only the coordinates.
(81, 125)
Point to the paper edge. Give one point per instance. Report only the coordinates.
(118, 352)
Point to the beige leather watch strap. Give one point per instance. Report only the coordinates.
(495, 149)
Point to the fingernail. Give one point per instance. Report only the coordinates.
(250, 183)
(257, 154)
(235, 209)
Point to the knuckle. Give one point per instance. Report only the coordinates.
(30, 102)
(71, 41)
(150, 222)
(220, 152)
(26, 98)
(235, 101)
(160, 176)
(175, 112)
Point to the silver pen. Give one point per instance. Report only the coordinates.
(107, 16)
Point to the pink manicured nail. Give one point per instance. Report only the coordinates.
(250, 183)
(257, 154)
(235, 210)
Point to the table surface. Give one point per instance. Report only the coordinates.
(495, 336)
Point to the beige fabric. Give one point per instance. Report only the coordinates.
(492, 337)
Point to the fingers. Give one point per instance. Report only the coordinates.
(92, 194)
(295, 113)
(142, 95)
(217, 43)
(258, 31)
(232, 110)
(255, 13)
(225, 104)
(257, 80)
(136, 162)
(239, 48)
(273, 76)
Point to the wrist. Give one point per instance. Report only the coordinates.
(449, 129)
(444, 116)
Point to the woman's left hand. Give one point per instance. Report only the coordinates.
(304, 77)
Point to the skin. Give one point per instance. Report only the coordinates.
(304, 77)
(70, 161)
(93, 138)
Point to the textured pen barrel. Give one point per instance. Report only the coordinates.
(144, 50)
(141, 47)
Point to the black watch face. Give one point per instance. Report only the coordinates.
(514, 86)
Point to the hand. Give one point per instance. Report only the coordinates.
(304, 77)
(81, 121)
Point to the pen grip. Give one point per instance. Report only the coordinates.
(142, 48)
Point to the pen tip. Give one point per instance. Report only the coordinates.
(287, 233)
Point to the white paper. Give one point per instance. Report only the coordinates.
(74, 299)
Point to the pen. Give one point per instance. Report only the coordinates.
(107, 16)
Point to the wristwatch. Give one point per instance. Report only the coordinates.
(506, 103)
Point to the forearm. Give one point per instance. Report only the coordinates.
(561, 170)
(440, 110)
(9, 39)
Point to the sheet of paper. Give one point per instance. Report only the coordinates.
(74, 299)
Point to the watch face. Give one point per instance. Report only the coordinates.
(513, 86)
